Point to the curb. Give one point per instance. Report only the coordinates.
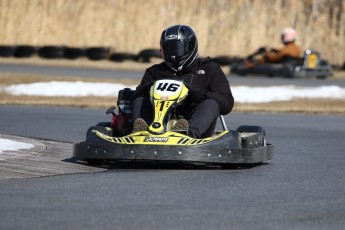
(38, 148)
(46, 158)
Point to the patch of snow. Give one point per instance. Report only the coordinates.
(10, 145)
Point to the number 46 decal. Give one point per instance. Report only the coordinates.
(172, 87)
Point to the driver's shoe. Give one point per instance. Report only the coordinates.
(180, 125)
(140, 125)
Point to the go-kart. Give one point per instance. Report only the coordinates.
(309, 66)
(115, 140)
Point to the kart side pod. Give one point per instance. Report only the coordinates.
(246, 145)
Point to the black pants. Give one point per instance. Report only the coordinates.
(202, 118)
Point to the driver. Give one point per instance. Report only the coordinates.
(290, 49)
(209, 90)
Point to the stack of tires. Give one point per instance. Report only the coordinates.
(7, 51)
(96, 53)
(51, 52)
(25, 51)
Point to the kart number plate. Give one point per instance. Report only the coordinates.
(312, 61)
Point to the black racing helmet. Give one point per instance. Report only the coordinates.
(180, 47)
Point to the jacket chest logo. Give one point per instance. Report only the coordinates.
(200, 71)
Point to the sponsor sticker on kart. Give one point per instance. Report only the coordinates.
(156, 139)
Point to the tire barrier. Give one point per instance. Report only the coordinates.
(51, 52)
(25, 51)
(225, 60)
(74, 53)
(101, 53)
(97, 53)
(121, 57)
(146, 55)
(7, 51)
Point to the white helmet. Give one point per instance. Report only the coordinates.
(288, 35)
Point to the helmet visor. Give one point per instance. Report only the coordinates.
(177, 49)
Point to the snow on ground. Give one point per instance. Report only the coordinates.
(245, 94)
(10, 145)
(61, 88)
(242, 94)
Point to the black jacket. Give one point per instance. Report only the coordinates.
(203, 74)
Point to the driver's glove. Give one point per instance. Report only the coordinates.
(196, 95)
(262, 50)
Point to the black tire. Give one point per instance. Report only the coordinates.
(25, 51)
(120, 57)
(95, 162)
(233, 68)
(104, 124)
(223, 60)
(240, 166)
(7, 51)
(146, 55)
(288, 76)
(254, 129)
(230, 166)
(97, 53)
(74, 53)
(323, 62)
(242, 70)
(239, 68)
(51, 52)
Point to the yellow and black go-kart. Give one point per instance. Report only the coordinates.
(114, 141)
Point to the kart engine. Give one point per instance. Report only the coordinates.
(122, 123)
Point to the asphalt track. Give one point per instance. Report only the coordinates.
(301, 188)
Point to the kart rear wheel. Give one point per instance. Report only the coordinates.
(104, 124)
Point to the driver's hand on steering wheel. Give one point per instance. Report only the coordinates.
(262, 50)
(196, 95)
